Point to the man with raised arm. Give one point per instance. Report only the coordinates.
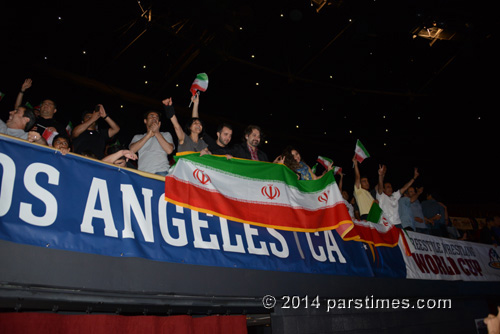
(87, 137)
(364, 198)
(388, 199)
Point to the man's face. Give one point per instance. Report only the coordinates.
(224, 136)
(253, 139)
(47, 109)
(345, 195)
(151, 119)
(388, 189)
(86, 117)
(60, 143)
(120, 162)
(411, 191)
(364, 183)
(16, 119)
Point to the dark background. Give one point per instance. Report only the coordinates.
(352, 70)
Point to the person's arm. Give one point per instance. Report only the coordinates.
(19, 100)
(357, 177)
(128, 154)
(493, 322)
(196, 102)
(417, 194)
(113, 127)
(341, 181)
(170, 112)
(35, 137)
(381, 174)
(409, 183)
(80, 128)
(137, 145)
(165, 145)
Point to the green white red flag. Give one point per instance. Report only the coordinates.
(69, 128)
(200, 83)
(324, 161)
(49, 136)
(381, 234)
(257, 193)
(360, 152)
(1, 96)
(337, 170)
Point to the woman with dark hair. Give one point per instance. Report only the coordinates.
(191, 137)
(293, 160)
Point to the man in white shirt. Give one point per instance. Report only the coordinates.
(389, 200)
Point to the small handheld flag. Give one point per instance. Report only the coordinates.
(324, 161)
(69, 128)
(337, 170)
(1, 96)
(200, 83)
(360, 152)
(49, 136)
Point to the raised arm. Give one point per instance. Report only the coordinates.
(409, 183)
(170, 112)
(357, 176)
(382, 169)
(196, 103)
(417, 194)
(113, 127)
(80, 128)
(25, 86)
(136, 146)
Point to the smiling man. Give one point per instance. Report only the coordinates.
(20, 121)
(249, 148)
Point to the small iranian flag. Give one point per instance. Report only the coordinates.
(324, 161)
(337, 170)
(1, 96)
(69, 128)
(200, 83)
(49, 136)
(361, 152)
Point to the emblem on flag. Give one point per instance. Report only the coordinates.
(201, 176)
(270, 191)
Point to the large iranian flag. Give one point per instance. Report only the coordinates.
(255, 192)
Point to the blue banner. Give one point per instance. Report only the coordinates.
(73, 203)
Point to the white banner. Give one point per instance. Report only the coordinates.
(447, 259)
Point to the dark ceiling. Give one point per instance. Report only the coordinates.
(315, 78)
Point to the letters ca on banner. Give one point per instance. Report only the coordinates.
(448, 259)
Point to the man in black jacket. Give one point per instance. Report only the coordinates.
(249, 148)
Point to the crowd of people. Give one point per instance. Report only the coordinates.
(408, 207)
